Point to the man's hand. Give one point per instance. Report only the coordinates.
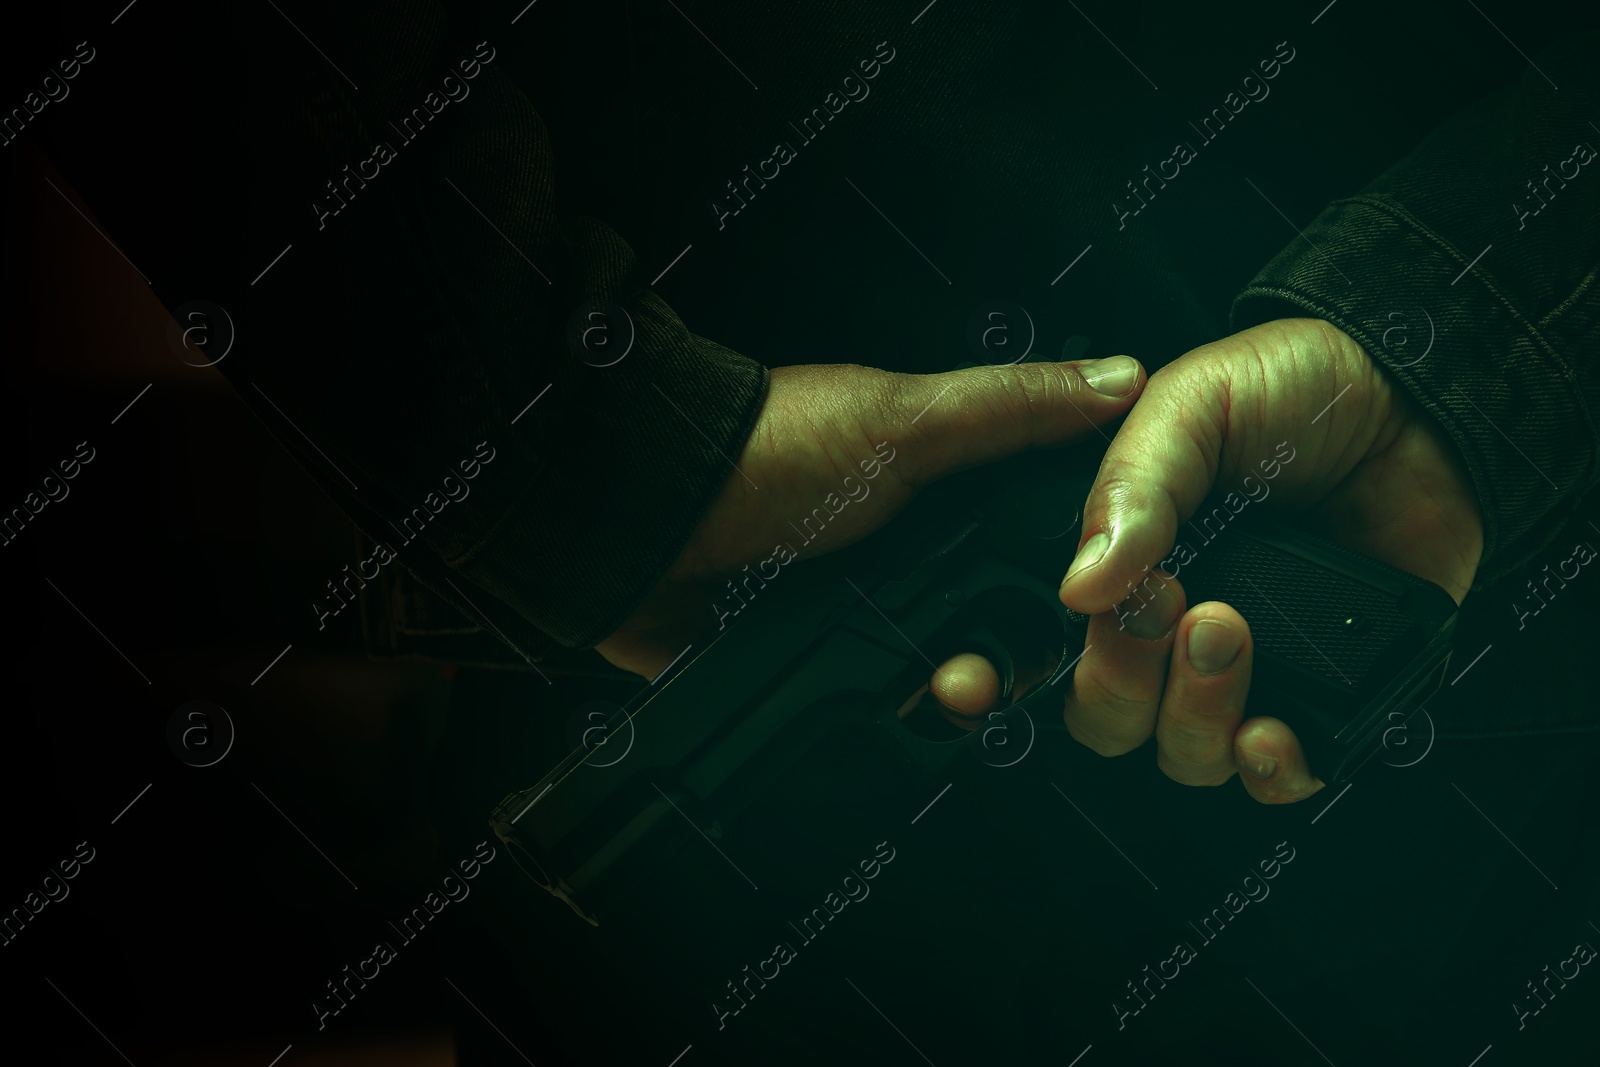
(857, 443)
(1369, 469)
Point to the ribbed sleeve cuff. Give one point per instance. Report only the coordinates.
(578, 555)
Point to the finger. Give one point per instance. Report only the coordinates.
(1161, 465)
(1117, 686)
(977, 415)
(1271, 762)
(966, 686)
(1204, 700)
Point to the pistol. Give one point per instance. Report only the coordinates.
(1346, 648)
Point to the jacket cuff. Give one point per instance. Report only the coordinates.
(576, 557)
(1447, 338)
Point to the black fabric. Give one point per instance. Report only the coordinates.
(1451, 248)
(590, 163)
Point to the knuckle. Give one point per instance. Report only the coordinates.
(1123, 485)
(1192, 724)
(898, 398)
(1098, 742)
(1191, 745)
(1118, 481)
(1110, 724)
(1099, 701)
(1187, 380)
(1163, 378)
(1196, 393)
(1031, 391)
(1187, 773)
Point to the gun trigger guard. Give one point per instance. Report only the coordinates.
(990, 647)
(1048, 698)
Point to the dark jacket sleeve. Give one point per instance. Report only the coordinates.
(1468, 270)
(477, 374)
(442, 306)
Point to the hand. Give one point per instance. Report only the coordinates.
(856, 443)
(1372, 471)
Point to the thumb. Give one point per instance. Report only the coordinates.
(977, 415)
(1157, 472)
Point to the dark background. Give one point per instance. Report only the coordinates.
(207, 921)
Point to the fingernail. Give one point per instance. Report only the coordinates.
(1213, 646)
(1089, 554)
(1257, 765)
(1114, 376)
(1151, 612)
